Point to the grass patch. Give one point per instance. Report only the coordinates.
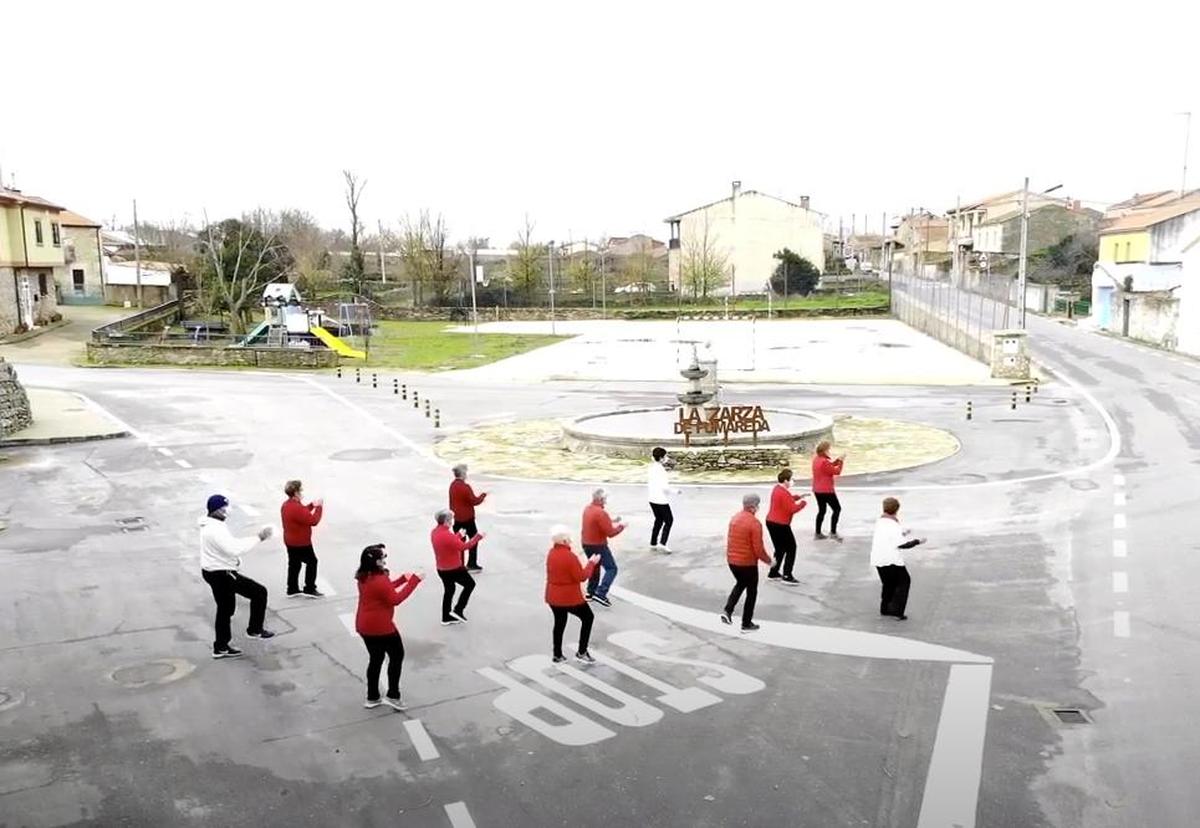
(429, 346)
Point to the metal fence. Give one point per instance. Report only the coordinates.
(961, 318)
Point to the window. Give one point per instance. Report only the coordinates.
(55, 234)
(37, 232)
(77, 280)
(42, 288)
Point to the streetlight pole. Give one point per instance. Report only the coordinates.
(1021, 265)
(474, 309)
(552, 331)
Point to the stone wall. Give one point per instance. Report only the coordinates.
(742, 457)
(497, 314)
(14, 404)
(101, 353)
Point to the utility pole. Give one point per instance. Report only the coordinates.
(474, 310)
(137, 253)
(1024, 249)
(383, 263)
(1187, 139)
(552, 287)
(603, 284)
(883, 253)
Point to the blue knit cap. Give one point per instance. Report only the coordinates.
(217, 502)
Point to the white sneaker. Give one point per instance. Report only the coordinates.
(665, 548)
(654, 547)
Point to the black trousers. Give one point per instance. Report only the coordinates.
(893, 597)
(450, 579)
(830, 500)
(472, 531)
(586, 617)
(662, 521)
(747, 581)
(301, 556)
(784, 541)
(379, 647)
(226, 586)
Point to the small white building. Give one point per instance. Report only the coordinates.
(122, 279)
(744, 232)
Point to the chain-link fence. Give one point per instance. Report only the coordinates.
(961, 318)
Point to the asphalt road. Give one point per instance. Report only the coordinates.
(113, 714)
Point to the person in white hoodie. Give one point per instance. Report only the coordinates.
(658, 492)
(220, 558)
(887, 556)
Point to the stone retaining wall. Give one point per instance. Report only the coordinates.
(718, 457)
(165, 354)
(491, 314)
(15, 413)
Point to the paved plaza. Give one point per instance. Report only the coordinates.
(1059, 574)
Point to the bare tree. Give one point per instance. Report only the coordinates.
(431, 264)
(640, 271)
(238, 257)
(308, 243)
(583, 270)
(524, 264)
(355, 269)
(703, 266)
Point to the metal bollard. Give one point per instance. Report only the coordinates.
(1028, 393)
(339, 372)
(1037, 384)
(1014, 400)
(426, 408)
(395, 386)
(374, 381)
(416, 403)
(437, 418)
(404, 391)
(970, 412)
(358, 375)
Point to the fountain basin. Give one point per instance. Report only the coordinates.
(634, 433)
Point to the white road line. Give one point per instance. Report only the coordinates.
(1121, 624)
(426, 750)
(165, 452)
(1118, 479)
(1119, 521)
(1120, 550)
(952, 785)
(1120, 582)
(250, 511)
(347, 619)
(460, 817)
(1118, 498)
(324, 587)
(183, 464)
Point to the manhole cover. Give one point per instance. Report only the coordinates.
(1060, 402)
(892, 345)
(10, 698)
(362, 455)
(1071, 715)
(137, 523)
(158, 671)
(1084, 485)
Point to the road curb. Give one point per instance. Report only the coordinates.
(53, 441)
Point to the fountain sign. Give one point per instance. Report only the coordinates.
(726, 420)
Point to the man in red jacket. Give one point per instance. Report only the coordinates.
(744, 549)
(598, 527)
(463, 501)
(448, 549)
(299, 518)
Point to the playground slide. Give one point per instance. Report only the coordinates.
(259, 330)
(336, 344)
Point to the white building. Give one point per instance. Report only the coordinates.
(743, 232)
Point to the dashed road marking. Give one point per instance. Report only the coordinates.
(1120, 582)
(425, 747)
(1118, 498)
(460, 817)
(183, 464)
(1121, 624)
(165, 452)
(1119, 521)
(1118, 479)
(1120, 550)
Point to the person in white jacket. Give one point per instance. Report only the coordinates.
(658, 492)
(887, 556)
(220, 558)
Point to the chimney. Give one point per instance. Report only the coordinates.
(737, 189)
(804, 202)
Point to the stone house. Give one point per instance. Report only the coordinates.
(919, 245)
(745, 231)
(83, 282)
(32, 261)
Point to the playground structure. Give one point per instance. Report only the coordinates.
(289, 323)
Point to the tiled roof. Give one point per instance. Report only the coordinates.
(1141, 219)
(18, 198)
(68, 219)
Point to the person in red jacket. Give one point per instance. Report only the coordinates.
(744, 549)
(824, 471)
(378, 596)
(463, 501)
(564, 574)
(299, 518)
(448, 549)
(784, 505)
(598, 527)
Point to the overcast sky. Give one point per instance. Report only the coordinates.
(598, 118)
